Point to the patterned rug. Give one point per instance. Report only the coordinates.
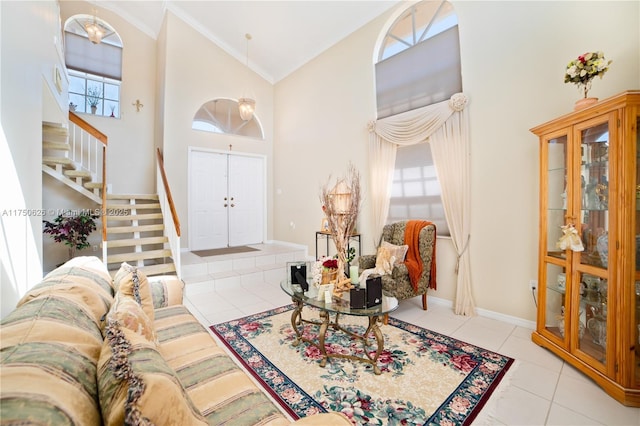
(427, 378)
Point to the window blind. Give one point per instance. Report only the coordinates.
(99, 59)
(424, 74)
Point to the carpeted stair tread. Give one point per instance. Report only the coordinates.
(59, 146)
(146, 216)
(78, 174)
(143, 255)
(153, 197)
(159, 269)
(136, 241)
(93, 185)
(130, 229)
(64, 161)
(147, 206)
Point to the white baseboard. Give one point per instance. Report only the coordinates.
(520, 322)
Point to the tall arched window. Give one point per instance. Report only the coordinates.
(418, 65)
(94, 64)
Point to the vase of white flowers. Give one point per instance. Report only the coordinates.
(582, 70)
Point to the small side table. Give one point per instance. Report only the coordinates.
(326, 235)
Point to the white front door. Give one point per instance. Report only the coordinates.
(208, 212)
(246, 194)
(226, 200)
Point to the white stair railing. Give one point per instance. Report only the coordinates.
(86, 147)
(171, 227)
(89, 149)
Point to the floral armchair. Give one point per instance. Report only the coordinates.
(398, 283)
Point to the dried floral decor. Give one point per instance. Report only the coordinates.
(341, 205)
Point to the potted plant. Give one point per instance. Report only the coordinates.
(94, 96)
(72, 230)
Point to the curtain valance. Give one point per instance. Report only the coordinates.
(445, 126)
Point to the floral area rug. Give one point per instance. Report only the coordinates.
(427, 378)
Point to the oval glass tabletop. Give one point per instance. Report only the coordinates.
(338, 304)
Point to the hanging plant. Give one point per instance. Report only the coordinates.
(72, 230)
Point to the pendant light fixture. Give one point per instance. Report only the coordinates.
(95, 32)
(247, 105)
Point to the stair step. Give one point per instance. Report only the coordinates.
(93, 185)
(64, 161)
(116, 206)
(54, 130)
(153, 197)
(136, 241)
(61, 146)
(78, 173)
(147, 216)
(129, 229)
(143, 255)
(159, 269)
(149, 270)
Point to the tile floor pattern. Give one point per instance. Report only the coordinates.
(541, 389)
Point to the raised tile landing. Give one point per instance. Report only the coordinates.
(228, 271)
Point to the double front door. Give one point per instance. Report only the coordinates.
(226, 199)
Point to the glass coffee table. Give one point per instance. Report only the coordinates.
(338, 306)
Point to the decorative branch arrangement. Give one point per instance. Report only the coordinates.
(341, 204)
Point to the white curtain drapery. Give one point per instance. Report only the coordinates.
(445, 127)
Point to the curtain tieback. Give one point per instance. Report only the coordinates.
(457, 102)
(466, 246)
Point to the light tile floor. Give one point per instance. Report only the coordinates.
(540, 388)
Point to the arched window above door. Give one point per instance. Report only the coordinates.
(222, 115)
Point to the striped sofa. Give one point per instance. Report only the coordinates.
(82, 348)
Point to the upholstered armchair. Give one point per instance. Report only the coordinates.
(398, 283)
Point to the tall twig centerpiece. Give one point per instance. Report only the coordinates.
(341, 204)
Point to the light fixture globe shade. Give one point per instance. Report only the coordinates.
(95, 32)
(246, 106)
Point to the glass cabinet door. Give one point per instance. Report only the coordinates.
(591, 317)
(556, 266)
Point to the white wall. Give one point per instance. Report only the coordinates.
(514, 56)
(23, 80)
(197, 71)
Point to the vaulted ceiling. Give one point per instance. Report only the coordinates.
(285, 34)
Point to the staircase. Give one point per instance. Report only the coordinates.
(133, 229)
(58, 162)
(135, 234)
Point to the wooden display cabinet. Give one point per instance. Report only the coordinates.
(589, 301)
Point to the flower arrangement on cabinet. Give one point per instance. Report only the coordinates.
(585, 68)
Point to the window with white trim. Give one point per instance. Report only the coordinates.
(95, 68)
(418, 65)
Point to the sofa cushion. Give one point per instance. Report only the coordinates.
(49, 348)
(223, 393)
(136, 385)
(128, 313)
(132, 282)
(166, 291)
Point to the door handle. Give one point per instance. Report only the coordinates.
(225, 205)
(233, 205)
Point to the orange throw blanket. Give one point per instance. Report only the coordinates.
(413, 259)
